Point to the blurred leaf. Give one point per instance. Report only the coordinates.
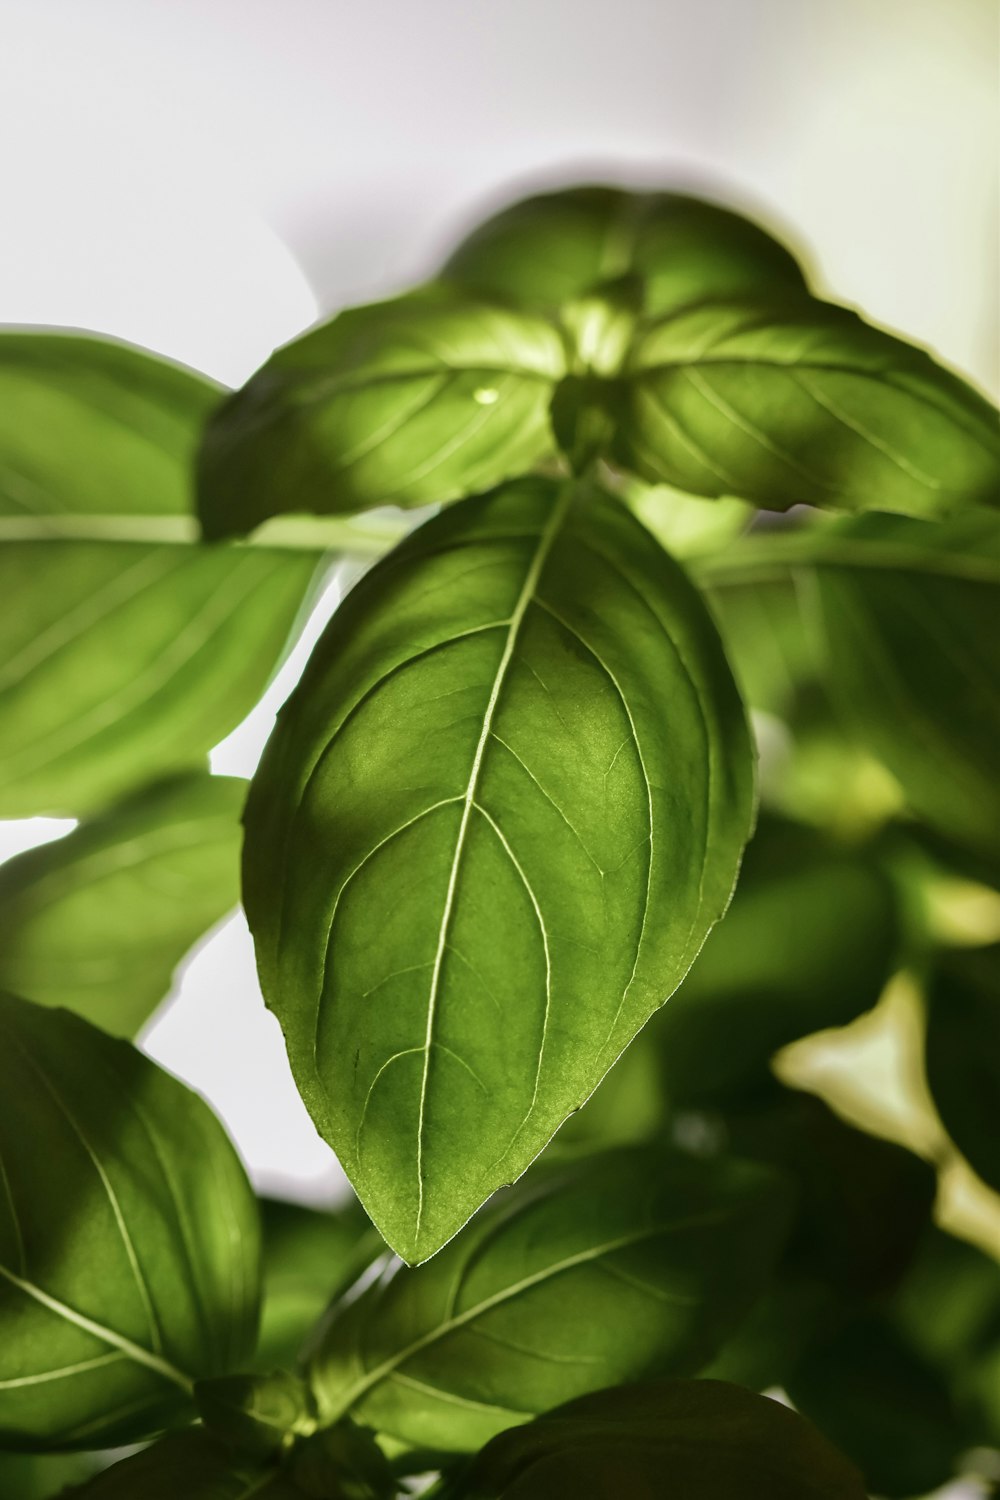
(497, 818)
(668, 1440)
(192, 1465)
(905, 614)
(98, 920)
(128, 1238)
(878, 1401)
(808, 943)
(788, 400)
(310, 1257)
(769, 1343)
(684, 525)
(864, 1203)
(256, 1414)
(41, 1476)
(125, 650)
(610, 1269)
(548, 250)
(963, 1055)
(415, 401)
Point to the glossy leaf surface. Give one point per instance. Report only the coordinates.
(551, 249)
(963, 1055)
(128, 1238)
(489, 835)
(792, 401)
(310, 1257)
(97, 921)
(126, 651)
(610, 1269)
(667, 1440)
(193, 1465)
(411, 402)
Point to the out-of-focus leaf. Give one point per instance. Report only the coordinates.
(963, 1054)
(128, 1238)
(411, 402)
(807, 943)
(42, 1476)
(888, 1410)
(126, 651)
(790, 400)
(193, 1465)
(667, 1440)
(495, 822)
(864, 1203)
(259, 1415)
(611, 1269)
(905, 614)
(98, 920)
(768, 1345)
(685, 525)
(556, 247)
(310, 1257)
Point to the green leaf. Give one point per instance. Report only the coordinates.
(489, 835)
(310, 1257)
(610, 1269)
(98, 920)
(905, 615)
(128, 1238)
(30, 1476)
(667, 1440)
(125, 651)
(963, 1055)
(94, 429)
(257, 1414)
(891, 1413)
(787, 401)
(808, 943)
(864, 1203)
(551, 249)
(191, 1464)
(411, 402)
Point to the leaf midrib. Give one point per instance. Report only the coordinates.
(545, 542)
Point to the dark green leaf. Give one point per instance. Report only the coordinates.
(125, 651)
(891, 1413)
(98, 920)
(613, 1268)
(411, 402)
(551, 249)
(192, 1465)
(489, 835)
(905, 615)
(257, 1414)
(310, 1258)
(790, 401)
(963, 1055)
(864, 1203)
(42, 1476)
(668, 1440)
(128, 1238)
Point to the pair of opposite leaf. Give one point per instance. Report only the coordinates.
(508, 799)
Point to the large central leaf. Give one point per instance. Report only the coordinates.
(490, 834)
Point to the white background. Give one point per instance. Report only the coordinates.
(206, 176)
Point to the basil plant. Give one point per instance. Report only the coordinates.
(673, 670)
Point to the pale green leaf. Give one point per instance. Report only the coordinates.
(787, 401)
(98, 920)
(667, 1440)
(963, 1055)
(128, 1238)
(423, 399)
(126, 650)
(548, 250)
(611, 1269)
(492, 829)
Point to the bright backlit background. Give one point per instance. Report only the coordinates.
(206, 176)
